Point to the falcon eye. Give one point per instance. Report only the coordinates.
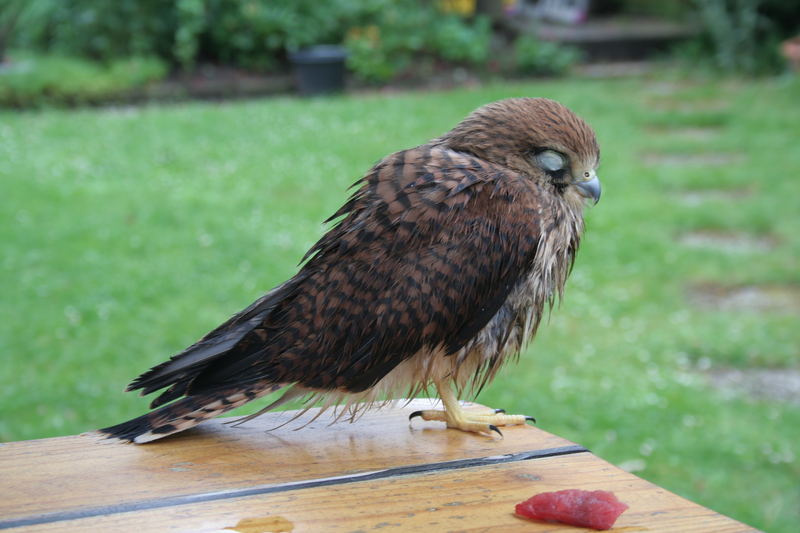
(550, 160)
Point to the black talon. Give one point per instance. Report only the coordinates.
(494, 428)
(498, 411)
(530, 419)
(412, 415)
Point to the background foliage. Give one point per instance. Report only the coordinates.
(536, 57)
(255, 34)
(385, 38)
(34, 80)
(182, 32)
(741, 36)
(402, 34)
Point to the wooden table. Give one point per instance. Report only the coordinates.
(380, 473)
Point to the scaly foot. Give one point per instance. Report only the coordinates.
(457, 418)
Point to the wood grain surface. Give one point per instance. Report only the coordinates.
(480, 499)
(380, 473)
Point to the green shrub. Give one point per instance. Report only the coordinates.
(456, 40)
(253, 34)
(742, 36)
(368, 57)
(94, 28)
(31, 80)
(256, 34)
(190, 25)
(399, 33)
(732, 27)
(542, 58)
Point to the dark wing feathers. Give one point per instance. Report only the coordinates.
(426, 252)
(183, 367)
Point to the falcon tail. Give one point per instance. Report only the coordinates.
(185, 413)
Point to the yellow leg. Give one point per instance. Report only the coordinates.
(457, 418)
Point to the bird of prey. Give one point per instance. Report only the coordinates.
(438, 271)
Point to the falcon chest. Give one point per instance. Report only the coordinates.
(514, 323)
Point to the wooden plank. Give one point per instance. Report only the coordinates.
(88, 471)
(473, 499)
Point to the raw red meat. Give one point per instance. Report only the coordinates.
(597, 509)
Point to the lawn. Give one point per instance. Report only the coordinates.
(129, 232)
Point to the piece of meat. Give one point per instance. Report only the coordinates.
(597, 509)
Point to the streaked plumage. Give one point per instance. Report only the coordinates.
(440, 268)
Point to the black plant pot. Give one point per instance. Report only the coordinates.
(319, 69)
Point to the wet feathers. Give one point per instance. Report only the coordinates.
(440, 265)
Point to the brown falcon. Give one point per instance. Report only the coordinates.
(439, 269)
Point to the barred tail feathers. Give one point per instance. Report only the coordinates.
(184, 414)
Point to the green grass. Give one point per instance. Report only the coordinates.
(128, 233)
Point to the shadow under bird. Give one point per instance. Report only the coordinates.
(438, 271)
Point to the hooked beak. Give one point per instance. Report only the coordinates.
(590, 189)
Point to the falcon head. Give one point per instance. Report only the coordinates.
(536, 137)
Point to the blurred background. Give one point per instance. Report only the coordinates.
(163, 163)
(90, 51)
